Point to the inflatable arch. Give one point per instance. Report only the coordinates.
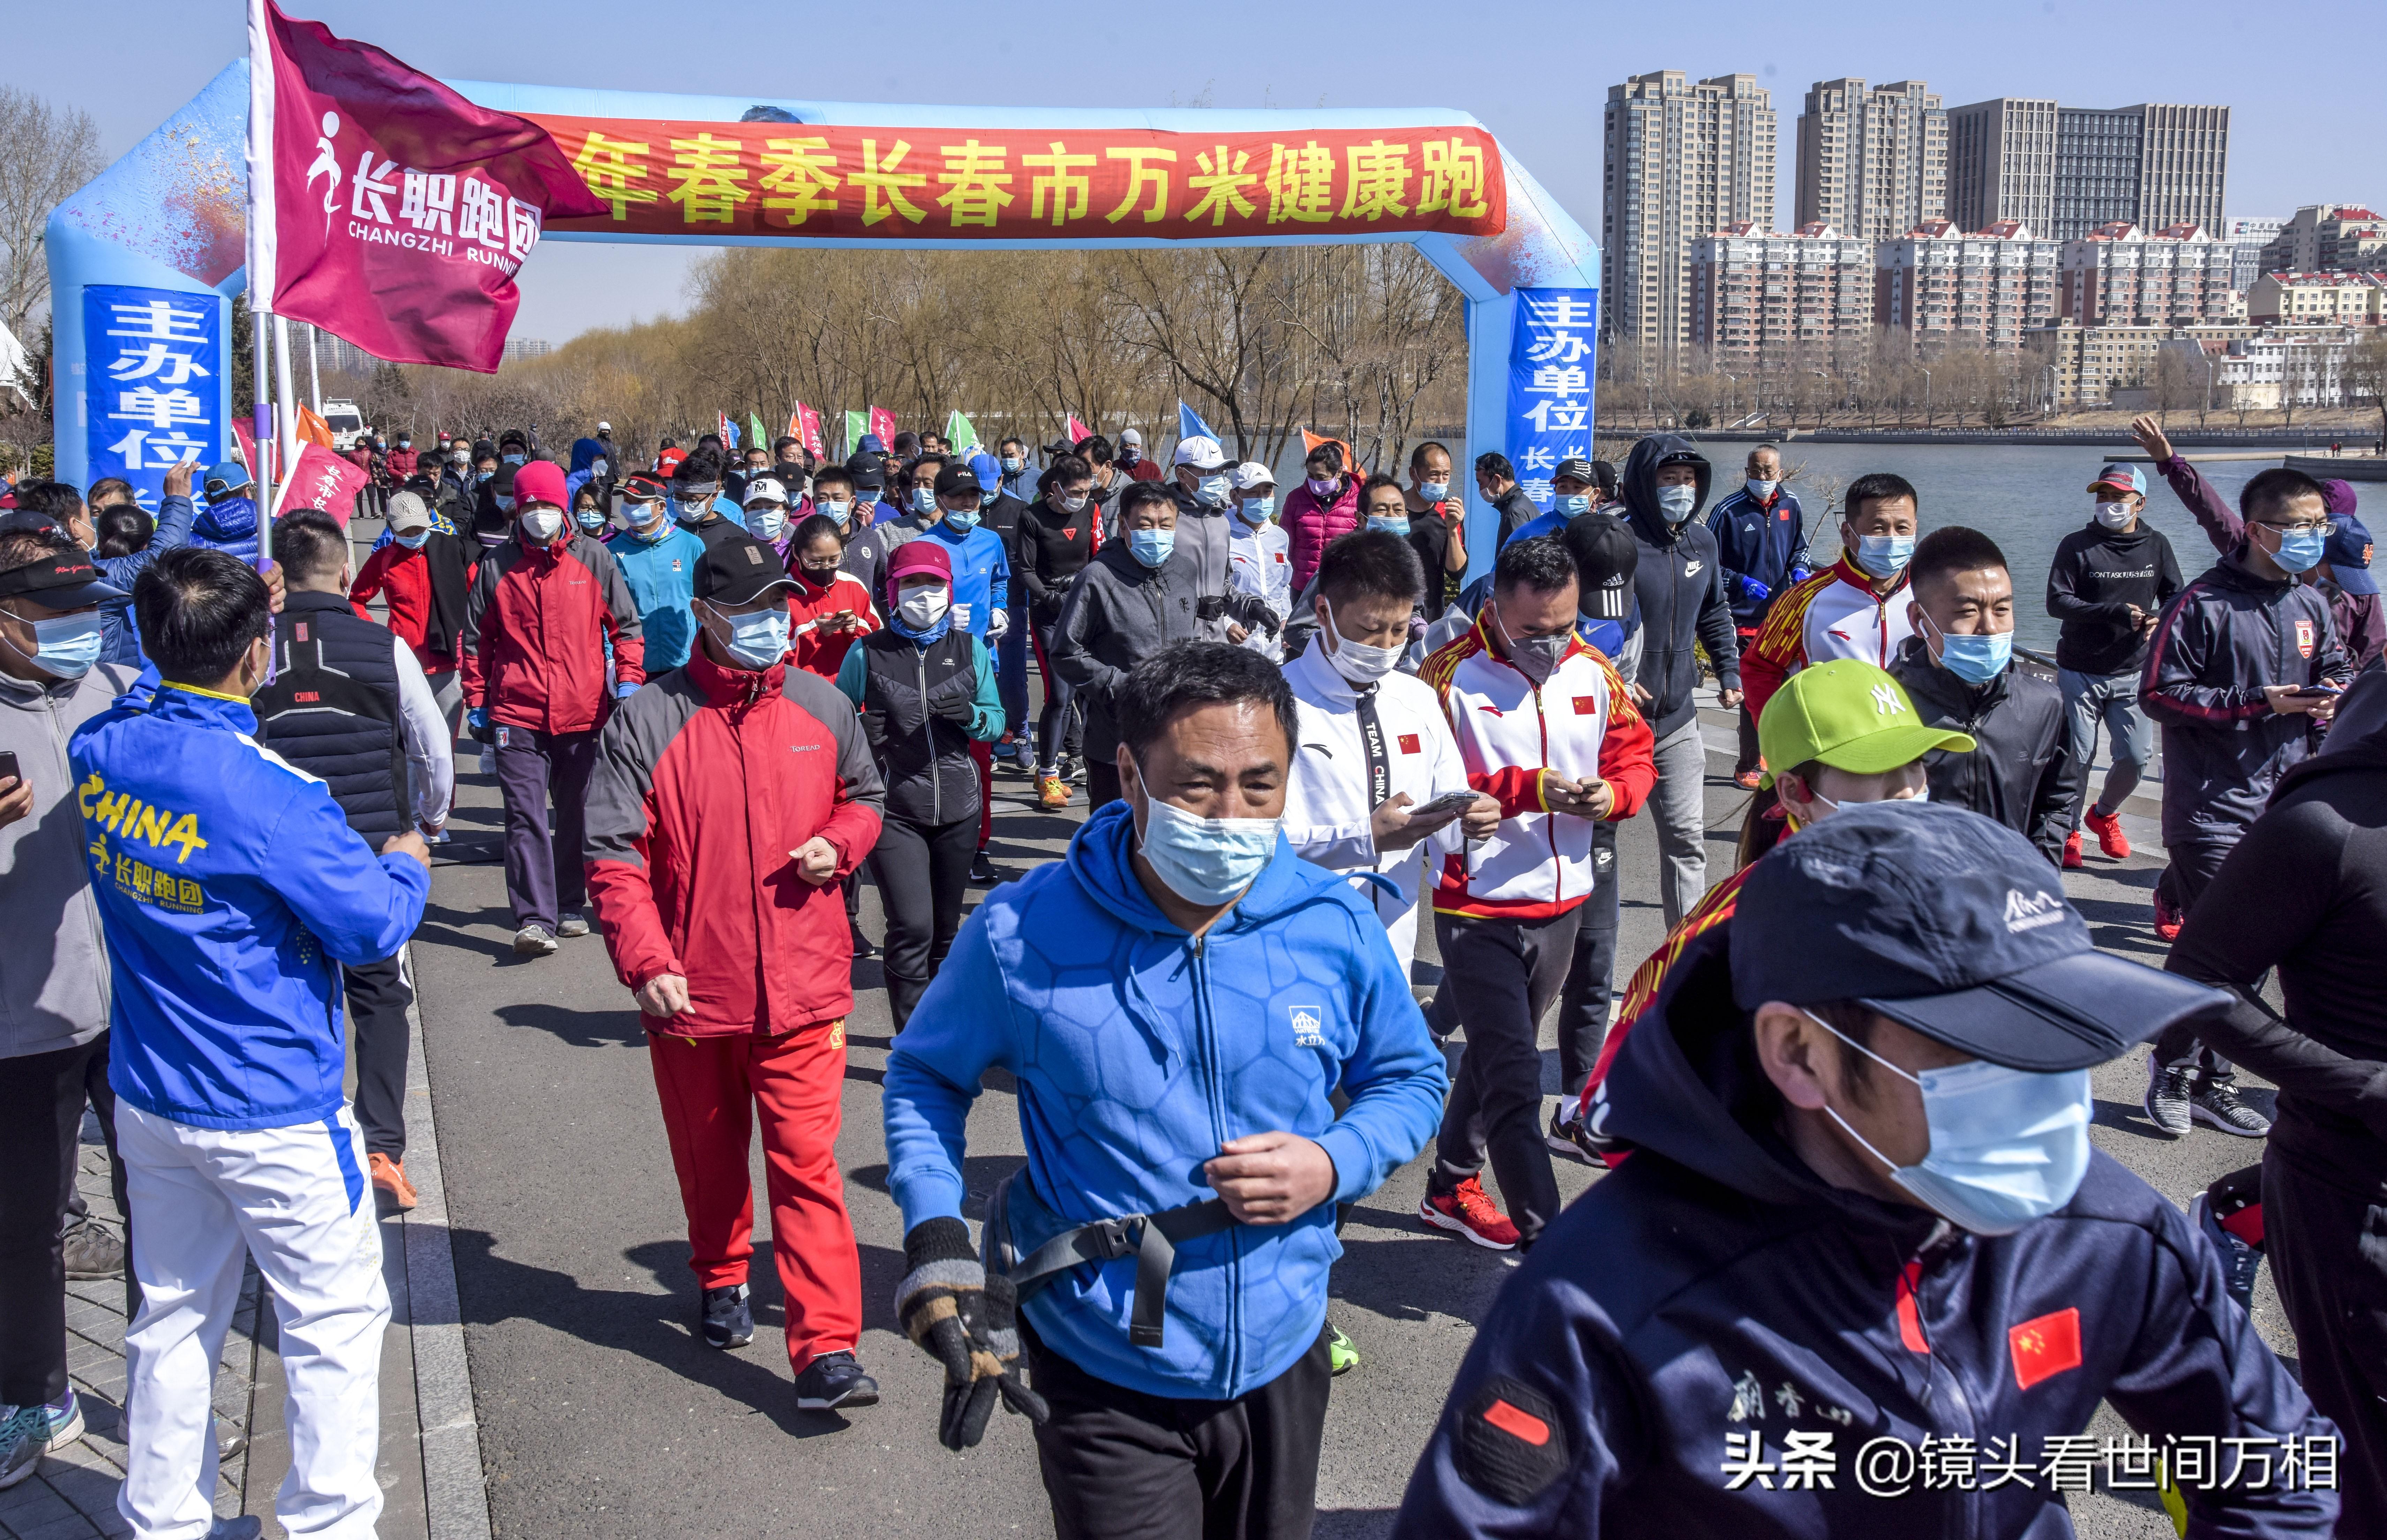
(144, 259)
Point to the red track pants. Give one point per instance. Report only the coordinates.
(710, 1087)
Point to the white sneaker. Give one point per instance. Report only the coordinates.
(532, 940)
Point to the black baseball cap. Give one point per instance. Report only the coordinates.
(1954, 925)
(1577, 470)
(61, 580)
(739, 569)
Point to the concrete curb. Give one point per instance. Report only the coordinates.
(456, 1498)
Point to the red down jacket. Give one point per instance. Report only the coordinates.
(534, 630)
(706, 780)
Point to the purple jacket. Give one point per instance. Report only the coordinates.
(2360, 621)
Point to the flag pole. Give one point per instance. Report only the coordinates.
(314, 372)
(261, 263)
(286, 390)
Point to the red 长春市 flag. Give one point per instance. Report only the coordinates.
(882, 422)
(321, 479)
(805, 423)
(1079, 432)
(390, 211)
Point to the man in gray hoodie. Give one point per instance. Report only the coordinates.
(1138, 595)
(1200, 488)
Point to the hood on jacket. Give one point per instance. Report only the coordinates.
(233, 520)
(1637, 483)
(587, 451)
(1686, 1085)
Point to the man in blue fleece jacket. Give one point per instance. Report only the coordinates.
(1176, 999)
(232, 890)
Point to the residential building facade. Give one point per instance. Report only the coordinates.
(2065, 170)
(1935, 284)
(2328, 237)
(1872, 162)
(2002, 163)
(2083, 366)
(2247, 238)
(2120, 275)
(2317, 298)
(1757, 294)
(1682, 160)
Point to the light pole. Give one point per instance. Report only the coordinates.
(2048, 369)
(2209, 389)
(1926, 399)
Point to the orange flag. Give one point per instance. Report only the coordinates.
(313, 429)
(1309, 442)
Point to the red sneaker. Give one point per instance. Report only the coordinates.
(2107, 827)
(389, 1180)
(2072, 852)
(1468, 1210)
(2167, 919)
(1749, 780)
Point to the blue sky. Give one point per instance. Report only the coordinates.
(1537, 74)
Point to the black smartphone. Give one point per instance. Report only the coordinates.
(9, 771)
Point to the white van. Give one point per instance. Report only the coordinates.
(345, 422)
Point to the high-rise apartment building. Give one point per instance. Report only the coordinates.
(2119, 275)
(2065, 170)
(1684, 159)
(2002, 163)
(1936, 283)
(1871, 163)
(1757, 295)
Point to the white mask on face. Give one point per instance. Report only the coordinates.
(923, 606)
(2115, 515)
(1357, 662)
(543, 524)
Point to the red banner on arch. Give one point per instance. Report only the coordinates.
(660, 177)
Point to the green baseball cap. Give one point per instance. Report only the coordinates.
(1851, 716)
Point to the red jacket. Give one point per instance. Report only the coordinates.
(535, 631)
(407, 583)
(706, 781)
(1310, 521)
(818, 651)
(401, 462)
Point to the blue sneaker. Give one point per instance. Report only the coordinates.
(728, 1318)
(28, 1433)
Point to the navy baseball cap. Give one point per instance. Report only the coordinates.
(2348, 555)
(1954, 925)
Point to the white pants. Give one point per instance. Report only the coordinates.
(295, 1199)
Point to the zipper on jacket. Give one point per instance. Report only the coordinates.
(928, 729)
(1205, 1024)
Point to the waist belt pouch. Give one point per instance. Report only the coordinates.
(1029, 1243)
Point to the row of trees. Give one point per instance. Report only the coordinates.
(1874, 378)
(1363, 343)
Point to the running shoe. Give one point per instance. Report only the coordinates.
(571, 926)
(532, 940)
(94, 1251)
(1469, 1211)
(388, 1177)
(1749, 780)
(2240, 1262)
(2168, 1093)
(862, 947)
(2107, 827)
(983, 873)
(1052, 790)
(834, 1380)
(2072, 862)
(28, 1433)
(2167, 919)
(247, 1527)
(2216, 1103)
(1342, 1353)
(1569, 1137)
(728, 1318)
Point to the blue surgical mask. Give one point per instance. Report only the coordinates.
(840, 511)
(1884, 555)
(515, 459)
(1205, 861)
(1571, 505)
(1151, 547)
(505, 505)
(1257, 510)
(1975, 660)
(591, 519)
(1012, 462)
(415, 541)
(765, 522)
(65, 646)
(1760, 490)
(2007, 1145)
(961, 521)
(1211, 491)
(1389, 524)
(758, 640)
(1434, 491)
(924, 499)
(2300, 551)
(1676, 502)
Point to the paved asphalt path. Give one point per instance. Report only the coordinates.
(601, 1414)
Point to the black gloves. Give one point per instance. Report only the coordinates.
(956, 706)
(969, 1322)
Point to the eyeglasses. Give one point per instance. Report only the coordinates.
(2321, 528)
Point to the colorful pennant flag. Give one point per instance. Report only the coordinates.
(1309, 442)
(960, 436)
(882, 422)
(754, 434)
(1078, 432)
(1190, 424)
(805, 423)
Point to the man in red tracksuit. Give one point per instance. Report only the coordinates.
(731, 798)
(542, 607)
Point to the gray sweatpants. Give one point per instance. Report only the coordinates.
(1678, 807)
(2110, 700)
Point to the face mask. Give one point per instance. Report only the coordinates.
(961, 521)
(1320, 488)
(1536, 657)
(597, 468)
(1676, 502)
(591, 518)
(924, 499)
(2300, 552)
(1884, 555)
(406, 444)
(1211, 491)
(2007, 1147)
(1434, 491)
(759, 640)
(1256, 511)
(515, 459)
(764, 522)
(1151, 547)
(1205, 861)
(1831, 807)
(1975, 660)
(542, 524)
(505, 505)
(819, 577)
(1760, 490)
(1572, 506)
(840, 511)
(415, 541)
(1012, 462)
(924, 606)
(2114, 515)
(1073, 505)
(1357, 662)
(1128, 454)
(1388, 523)
(458, 461)
(65, 646)
(483, 477)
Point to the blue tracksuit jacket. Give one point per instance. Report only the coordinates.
(662, 575)
(120, 637)
(232, 889)
(982, 571)
(1138, 1050)
(1758, 542)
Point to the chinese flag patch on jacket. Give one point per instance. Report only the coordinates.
(2045, 1346)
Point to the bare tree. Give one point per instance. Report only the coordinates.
(45, 155)
(2366, 375)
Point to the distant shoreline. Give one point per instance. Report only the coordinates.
(2308, 441)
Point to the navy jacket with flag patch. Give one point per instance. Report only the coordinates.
(1715, 1341)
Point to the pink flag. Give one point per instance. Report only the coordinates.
(1079, 432)
(401, 211)
(248, 452)
(882, 422)
(806, 425)
(321, 479)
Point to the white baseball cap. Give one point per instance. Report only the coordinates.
(764, 490)
(1251, 473)
(1203, 454)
